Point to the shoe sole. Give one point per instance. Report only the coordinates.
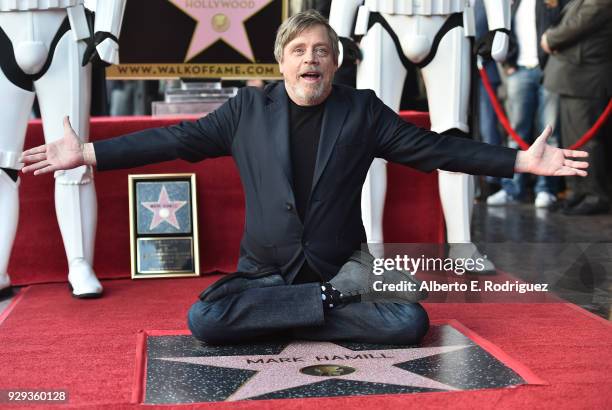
(84, 295)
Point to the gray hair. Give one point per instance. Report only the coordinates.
(292, 27)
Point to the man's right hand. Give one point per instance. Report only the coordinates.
(544, 44)
(63, 154)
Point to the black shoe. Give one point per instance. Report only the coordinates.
(569, 202)
(356, 277)
(572, 201)
(240, 281)
(488, 189)
(6, 293)
(588, 206)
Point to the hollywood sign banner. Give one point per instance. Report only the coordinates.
(199, 39)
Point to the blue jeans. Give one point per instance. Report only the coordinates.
(487, 121)
(281, 310)
(530, 108)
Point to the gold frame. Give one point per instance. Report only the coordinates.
(187, 177)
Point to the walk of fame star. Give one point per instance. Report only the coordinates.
(164, 210)
(223, 22)
(285, 370)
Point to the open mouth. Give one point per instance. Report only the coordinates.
(311, 76)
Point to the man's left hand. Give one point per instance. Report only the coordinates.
(543, 159)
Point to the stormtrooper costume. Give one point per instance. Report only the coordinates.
(45, 51)
(434, 35)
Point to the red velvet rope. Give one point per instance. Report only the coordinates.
(506, 124)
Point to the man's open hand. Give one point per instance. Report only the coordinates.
(66, 153)
(543, 159)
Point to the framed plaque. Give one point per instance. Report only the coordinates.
(163, 226)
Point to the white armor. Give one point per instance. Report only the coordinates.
(29, 5)
(412, 7)
(48, 39)
(395, 30)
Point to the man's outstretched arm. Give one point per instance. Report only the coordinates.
(209, 137)
(404, 143)
(66, 153)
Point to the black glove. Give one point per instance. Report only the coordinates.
(483, 46)
(351, 51)
(91, 55)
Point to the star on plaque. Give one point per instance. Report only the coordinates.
(164, 210)
(305, 363)
(220, 20)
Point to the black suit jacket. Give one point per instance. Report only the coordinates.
(581, 63)
(253, 128)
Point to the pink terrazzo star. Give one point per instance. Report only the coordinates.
(282, 371)
(164, 210)
(220, 20)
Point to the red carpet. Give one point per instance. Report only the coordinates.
(51, 341)
(221, 210)
(89, 348)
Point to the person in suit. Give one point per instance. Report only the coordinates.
(579, 69)
(530, 105)
(486, 117)
(303, 148)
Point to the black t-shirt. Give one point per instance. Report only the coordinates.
(305, 132)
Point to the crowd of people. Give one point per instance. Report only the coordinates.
(558, 72)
